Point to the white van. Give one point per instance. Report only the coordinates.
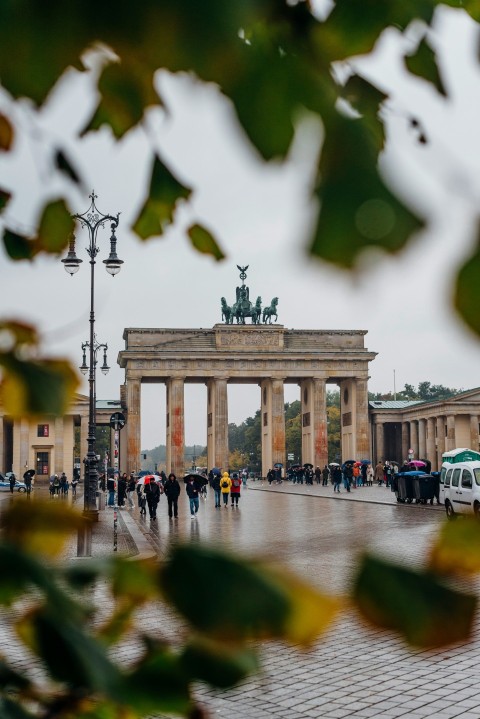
(462, 489)
(454, 456)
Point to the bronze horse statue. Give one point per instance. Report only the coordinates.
(270, 311)
(227, 312)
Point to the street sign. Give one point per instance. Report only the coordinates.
(290, 456)
(117, 421)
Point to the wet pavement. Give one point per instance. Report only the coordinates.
(355, 671)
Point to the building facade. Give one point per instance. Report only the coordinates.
(48, 444)
(425, 429)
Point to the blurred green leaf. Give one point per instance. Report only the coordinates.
(204, 242)
(69, 653)
(158, 211)
(42, 528)
(126, 92)
(357, 210)
(219, 664)
(221, 582)
(423, 64)
(4, 198)
(10, 678)
(55, 228)
(466, 296)
(158, 683)
(418, 605)
(136, 580)
(366, 99)
(36, 388)
(64, 164)
(457, 548)
(6, 133)
(11, 709)
(353, 26)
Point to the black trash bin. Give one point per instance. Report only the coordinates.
(405, 492)
(424, 488)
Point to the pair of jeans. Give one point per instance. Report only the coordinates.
(194, 505)
(217, 497)
(225, 497)
(111, 498)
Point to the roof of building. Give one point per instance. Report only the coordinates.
(394, 404)
(108, 404)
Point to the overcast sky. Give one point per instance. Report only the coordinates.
(260, 213)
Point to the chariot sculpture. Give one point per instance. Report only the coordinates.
(243, 307)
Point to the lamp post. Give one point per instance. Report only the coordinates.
(84, 367)
(92, 220)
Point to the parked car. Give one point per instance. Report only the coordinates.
(462, 489)
(5, 485)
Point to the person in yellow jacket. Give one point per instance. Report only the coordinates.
(225, 484)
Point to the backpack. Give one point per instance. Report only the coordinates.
(236, 482)
(224, 483)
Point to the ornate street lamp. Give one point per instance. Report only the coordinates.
(93, 220)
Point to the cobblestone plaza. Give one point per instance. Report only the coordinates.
(355, 671)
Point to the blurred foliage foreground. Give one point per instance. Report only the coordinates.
(226, 605)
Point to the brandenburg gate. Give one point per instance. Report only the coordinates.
(267, 355)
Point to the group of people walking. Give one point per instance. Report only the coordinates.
(149, 489)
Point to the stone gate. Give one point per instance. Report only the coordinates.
(267, 355)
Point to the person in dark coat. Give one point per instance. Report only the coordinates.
(122, 490)
(325, 476)
(192, 491)
(215, 485)
(172, 493)
(152, 493)
(111, 491)
(12, 481)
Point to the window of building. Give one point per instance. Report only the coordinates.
(42, 463)
(306, 419)
(43, 430)
(265, 419)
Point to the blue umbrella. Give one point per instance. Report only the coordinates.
(216, 471)
(366, 461)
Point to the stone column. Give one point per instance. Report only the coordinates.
(320, 432)
(362, 435)
(314, 421)
(405, 440)
(451, 441)
(440, 441)
(272, 423)
(422, 438)
(58, 449)
(474, 434)
(379, 442)
(132, 427)
(24, 447)
(414, 438)
(217, 423)
(431, 445)
(175, 426)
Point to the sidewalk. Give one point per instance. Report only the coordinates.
(372, 495)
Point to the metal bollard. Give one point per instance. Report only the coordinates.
(115, 530)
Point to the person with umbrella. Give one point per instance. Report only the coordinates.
(336, 477)
(152, 493)
(27, 479)
(172, 493)
(193, 495)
